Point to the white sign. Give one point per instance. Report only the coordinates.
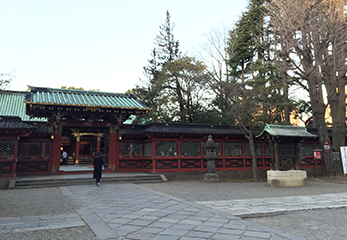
(344, 158)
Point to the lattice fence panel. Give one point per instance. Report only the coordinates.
(47, 150)
(167, 164)
(135, 164)
(148, 149)
(130, 164)
(6, 148)
(306, 149)
(5, 167)
(30, 149)
(248, 162)
(124, 149)
(257, 147)
(190, 149)
(131, 150)
(234, 163)
(233, 149)
(166, 149)
(23, 167)
(259, 162)
(267, 151)
(218, 149)
(267, 162)
(190, 163)
(308, 162)
(136, 150)
(286, 149)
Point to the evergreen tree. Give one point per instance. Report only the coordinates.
(174, 84)
(165, 51)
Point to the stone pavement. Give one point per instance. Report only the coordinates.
(270, 206)
(43, 222)
(128, 211)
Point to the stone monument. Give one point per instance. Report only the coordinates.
(210, 146)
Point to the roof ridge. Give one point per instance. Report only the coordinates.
(194, 124)
(35, 89)
(284, 126)
(13, 91)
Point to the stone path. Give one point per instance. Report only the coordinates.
(128, 211)
(43, 222)
(268, 206)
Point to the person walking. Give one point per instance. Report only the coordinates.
(64, 156)
(97, 164)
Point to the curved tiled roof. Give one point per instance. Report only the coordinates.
(12, 104)
(181, 128)
(12, 122)
(286, 131)
(82, 98)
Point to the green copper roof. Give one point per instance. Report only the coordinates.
(81, 98)
(12, 104)
(286, 131)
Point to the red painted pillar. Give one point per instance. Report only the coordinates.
(98, 139)
(118, 139)
(112, 158)
(56, 152)
(277, 159)
(179, 155)
(154, 164)
(223, 153)
(77, 154)
(15, 157)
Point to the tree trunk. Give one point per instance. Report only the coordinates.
(249, 135)
(180, 101)
(254, 158)
(338, 114)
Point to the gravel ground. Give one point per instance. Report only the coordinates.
(34, 202)
(314, 224)
(205, 191)
(80, 233)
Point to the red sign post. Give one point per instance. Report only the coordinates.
(326, 146)
(317, 155)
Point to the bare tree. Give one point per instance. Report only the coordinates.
(5, 80)
(216, 50)
(311, 39)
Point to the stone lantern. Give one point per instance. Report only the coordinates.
(210, 146)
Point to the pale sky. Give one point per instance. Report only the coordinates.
(100, 44)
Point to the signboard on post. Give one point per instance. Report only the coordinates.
(317, 154)
(326, 146)
(344, 158)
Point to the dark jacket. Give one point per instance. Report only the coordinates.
(98, 162)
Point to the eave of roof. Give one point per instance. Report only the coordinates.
(12, 104)
(81, 98)
(180, 128)
(14, 123)
(286, 131)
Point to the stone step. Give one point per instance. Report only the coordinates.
(56, 182)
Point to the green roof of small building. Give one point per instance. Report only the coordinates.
(12, 104)
(82, 98)
(286, 131)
